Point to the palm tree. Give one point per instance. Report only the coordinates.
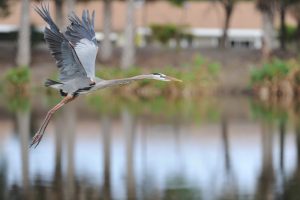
(107, 20)
(128, 54)
(24, 51)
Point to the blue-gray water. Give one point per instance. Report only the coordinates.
(225, 148)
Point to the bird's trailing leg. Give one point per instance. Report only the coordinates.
(39, 135)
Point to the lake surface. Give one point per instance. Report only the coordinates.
(217, 148)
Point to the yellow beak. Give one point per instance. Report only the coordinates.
(173, 79)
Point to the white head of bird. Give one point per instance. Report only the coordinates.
(163, 77)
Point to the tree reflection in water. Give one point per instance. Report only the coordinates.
(292, 183)
(160, 157)
(129, 132)
(106, 135)
(59, 124)
(23, 127)
(265, 185)
(70, 127)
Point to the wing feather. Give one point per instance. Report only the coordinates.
(81, 33)
(65, 55)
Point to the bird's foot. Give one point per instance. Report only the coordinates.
(36, 140)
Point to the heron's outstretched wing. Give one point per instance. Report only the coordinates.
(61, 49)
(81, 34)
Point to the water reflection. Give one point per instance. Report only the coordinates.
(106, 134)
(70, 122)
(129, 133)
(23, 128)
(88, 153)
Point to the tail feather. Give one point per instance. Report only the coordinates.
(50, 82)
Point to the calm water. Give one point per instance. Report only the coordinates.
(223, 148)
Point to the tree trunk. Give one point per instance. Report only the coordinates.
(128, 54)
(268, 34)
(296, 14)
(298, 34)
(228, 12)
(282, 25)
(267, 8)
(59, 13)
(24, 51)
(107, 20)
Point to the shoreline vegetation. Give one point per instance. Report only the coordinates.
(200, 77)
(147, 97)
(274, 86)
(277, 81)
(274, 82)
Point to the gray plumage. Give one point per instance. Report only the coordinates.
(75, 50)
(75, 53)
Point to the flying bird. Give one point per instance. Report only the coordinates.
(75, 53)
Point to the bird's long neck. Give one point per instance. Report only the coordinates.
(115, 82)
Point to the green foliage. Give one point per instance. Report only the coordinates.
(199, 60)
(274, 70)
(159, 108)
(18, 76)
(178, 187)
(178, 2)
(198, 77)
(16, 89)
(214, 68)
(291, 33)
(163, 33)
(18, 103)
(267, 112)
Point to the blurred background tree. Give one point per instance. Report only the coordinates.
(295, 11)
(284, 5)
(128, 49)
(106, 51)
(24, 50)
(267, 9)
(228, 7)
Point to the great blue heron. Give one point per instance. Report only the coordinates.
(75, 53)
